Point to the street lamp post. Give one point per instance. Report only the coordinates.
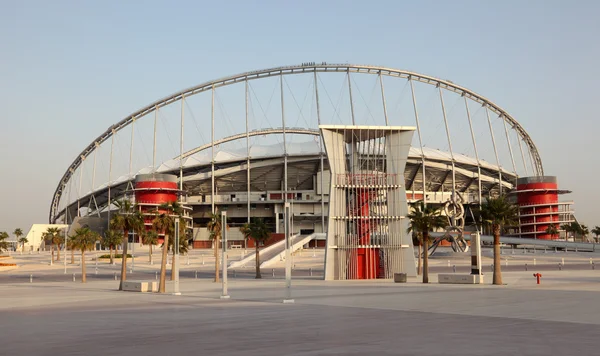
(288, 258)
(224, 294)
(176, 259)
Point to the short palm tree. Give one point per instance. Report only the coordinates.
(596, 231)
(498, 213)
(54, 237)
(584, 231)
(150, 238)
(71, 244)
(84, 240)
(18, 233)
(23, 240)
(112, 239)
(258, 231)
(425, 219)
(552, 230)
(183, 246)
(128, 219)
(164, 223)
(214, 228)
(3, 243)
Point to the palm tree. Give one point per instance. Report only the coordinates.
(150, 238)
(84, 240)
(214, 227)
(72, 245)
(258, 231)
(424, 219)
(112, 239)
(3, 243)
(596, 231)
(18, 233)
(128, 219)
(498, 213)
(53, 236)
(552, 230)
(23, 240)
(418, 241)
(164, 224)
(584, 231)
(183, 246)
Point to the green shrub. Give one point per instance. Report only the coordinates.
(118, 255)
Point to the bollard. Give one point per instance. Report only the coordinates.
(524, 250)
(526, 266)
(310, 271)
(537, 276)
(448, 263)
(314, 252)
(203, 260)
(575, 248)
(96, 270)
(31, 278)
(492, 265)
(534, 261)
(555, 249)
(73, 277)
(591, 262)
(454, 268)
(512, 251)
(544, 249)
(195, 274)
(155, 276)
(188, 259)
(115, 275)
(559, 267)
(234, 274)
(593, 265)
(273, 272)
(506, 263)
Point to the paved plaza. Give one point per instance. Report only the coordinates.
(55, 316)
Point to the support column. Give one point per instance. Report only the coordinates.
(79, 188)
(487, 113)
(523, 156)
(320, 154)
(112, 143)
(451, 154)
(512, 158)
(154, 141)
(475, 148)
(247, 158)
(288, 256)
(212, 148)
(181, 148)
(285, 155)
(383, 99)
(414, 100)
(351, 101)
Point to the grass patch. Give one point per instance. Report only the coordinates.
(118, 255)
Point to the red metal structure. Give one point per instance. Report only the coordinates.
(539, 207)
(153, 190)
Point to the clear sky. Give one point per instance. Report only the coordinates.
(70, 69)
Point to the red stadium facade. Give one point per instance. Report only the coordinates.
(539, 207)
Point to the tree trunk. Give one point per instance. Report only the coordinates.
(58, 253)
(425, 256)
(163, 266)
(52, 251)
(72, 256)
(217, 240)
(497, 271)
(257, 258)
(111, 254)
(173, 265)
(83, 276)
(124, 259)
(150, 255)
(420, 265)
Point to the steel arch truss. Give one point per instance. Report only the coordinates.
(288, 70)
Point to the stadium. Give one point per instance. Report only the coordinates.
(248, 143)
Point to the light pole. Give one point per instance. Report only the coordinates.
(224, 294)
(176, 259)
(288, 259)
(65, 248)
